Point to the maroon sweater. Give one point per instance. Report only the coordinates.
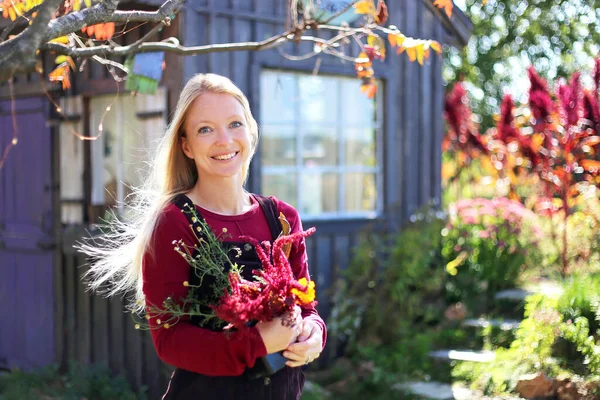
(190, 347)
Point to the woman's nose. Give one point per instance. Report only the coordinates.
(223, 136)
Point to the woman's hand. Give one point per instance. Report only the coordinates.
(277, 334)
(308, 347)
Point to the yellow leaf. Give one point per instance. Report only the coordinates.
(12, 14)
(61, 40)
(76, 5)
(364, 7)
(88, 3)
(436, 46)
(420, 53)
(483, 2)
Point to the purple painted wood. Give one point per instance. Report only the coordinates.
(26, 254)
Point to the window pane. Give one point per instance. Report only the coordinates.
(278, 98)
(360, 192)
(319, 98)
(358, 110)
(320, 147)
(281, 186)
(359, 147)
(278, 145)
(319, 193)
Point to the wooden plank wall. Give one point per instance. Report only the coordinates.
(99, 331)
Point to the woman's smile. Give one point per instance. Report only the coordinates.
(225, 157)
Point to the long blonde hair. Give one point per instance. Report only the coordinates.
(116, 255)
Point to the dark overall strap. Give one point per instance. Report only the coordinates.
(270, 210)
(180, 201)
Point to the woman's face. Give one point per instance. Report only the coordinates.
(217, 135)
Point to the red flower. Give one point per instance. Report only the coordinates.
(540, 101)
(272, 294)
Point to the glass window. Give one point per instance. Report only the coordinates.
(319, 143)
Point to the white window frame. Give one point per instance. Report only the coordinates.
(339, 169)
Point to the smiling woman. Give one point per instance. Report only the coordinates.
(203, 161)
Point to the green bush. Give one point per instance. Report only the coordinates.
(390, 303)
(486, 245)
(559, 337)
(90, 383)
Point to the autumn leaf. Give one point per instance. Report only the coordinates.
(436, 46)
(61, 40)
(396, 39)
(61, 73)
(364, 7)
(100, 31)
(382, 13)
(447, 5)
(369, 89)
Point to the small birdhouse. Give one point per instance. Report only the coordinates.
(145, 72)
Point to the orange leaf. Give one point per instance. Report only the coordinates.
(110, 30)
(61, 73)
(447, 5)
(412, 53)
(369, 89)
(99, 31)
(591, 166)
(364, 7)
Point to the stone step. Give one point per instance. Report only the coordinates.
(482, 356)
(503, 324)
(548, 288)
(512, 294)
(435, 390)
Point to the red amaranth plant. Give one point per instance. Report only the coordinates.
(557, 140)
(274, 293)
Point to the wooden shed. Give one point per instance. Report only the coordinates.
(345, 161)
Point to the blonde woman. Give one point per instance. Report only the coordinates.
(203, 160)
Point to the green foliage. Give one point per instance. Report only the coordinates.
(392, 283)
(91, 383)
(507, 33)
(485, 247)
(542, 340)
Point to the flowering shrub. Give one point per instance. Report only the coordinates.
(485, 246)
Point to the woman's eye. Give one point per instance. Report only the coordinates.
(236, 124)
(204, 129)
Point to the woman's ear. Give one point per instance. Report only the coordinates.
(186, 148)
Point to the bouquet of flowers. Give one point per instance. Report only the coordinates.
(221, 298)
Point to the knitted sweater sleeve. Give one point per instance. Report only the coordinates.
(183, 344)
(299, 260)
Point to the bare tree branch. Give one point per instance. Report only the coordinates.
(173, 47)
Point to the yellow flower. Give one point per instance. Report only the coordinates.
(308, 295)
(167, 326)
(186, 284)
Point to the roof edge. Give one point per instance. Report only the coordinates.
(459, 25)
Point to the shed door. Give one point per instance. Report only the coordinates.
(26, 241)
